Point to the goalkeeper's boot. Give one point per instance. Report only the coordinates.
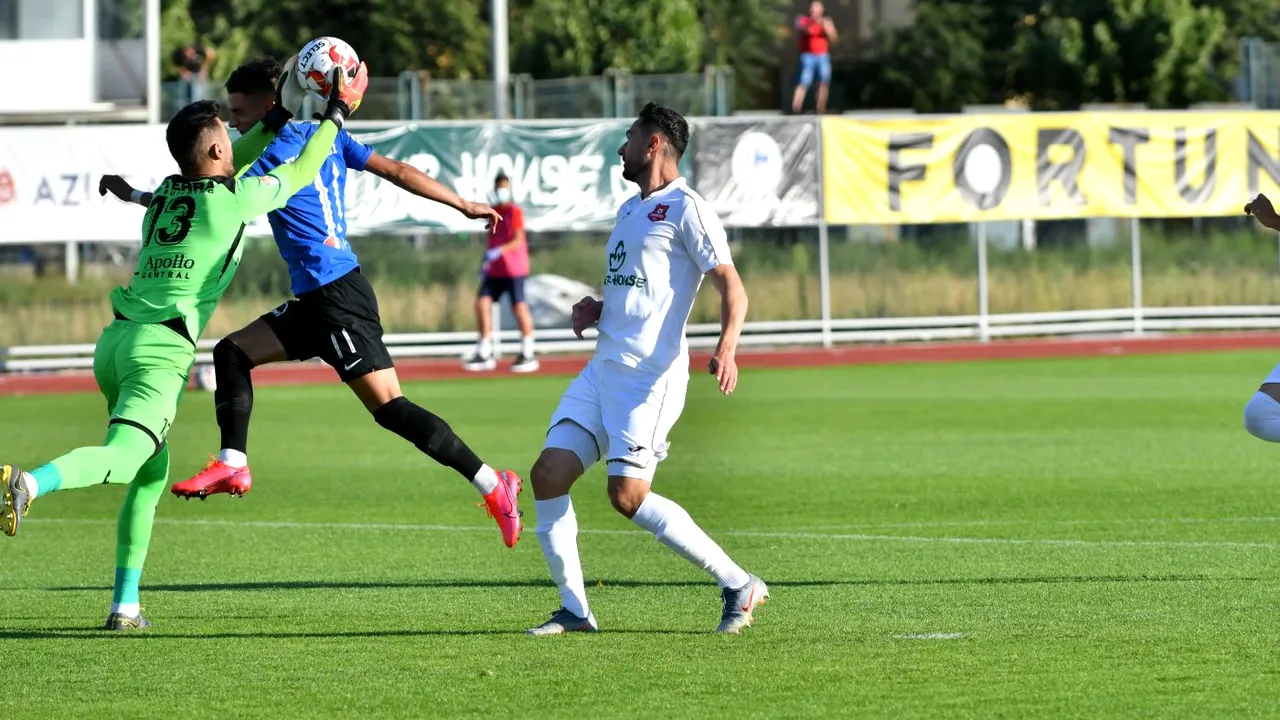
(740, 603)
(16, 500)
(123, 623)
(217, 477)
(502, 506)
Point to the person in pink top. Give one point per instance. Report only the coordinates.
(506, 265)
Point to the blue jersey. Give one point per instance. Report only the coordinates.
(311, 230)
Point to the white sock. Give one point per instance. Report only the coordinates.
(526, 345)
(234, 458)
(485, 480)
(484, 348)
(33, 487)
(130, 609)
(673, 527)
(558, 535)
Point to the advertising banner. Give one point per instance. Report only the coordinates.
(566, 177)
(759, 172)
(1048, 166)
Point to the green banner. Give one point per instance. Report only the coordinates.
(564, 177)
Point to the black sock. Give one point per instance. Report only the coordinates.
(233, 400)
(430, 434)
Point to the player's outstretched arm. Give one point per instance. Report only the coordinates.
(272, 192)
(288, 103)
(1261, 208)
(733, 315)
(411, 179)
(246, 149)
(121, 188)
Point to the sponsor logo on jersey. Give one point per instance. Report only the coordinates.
(616, 260)
(659, 213)
(174, 267)
(617, 257)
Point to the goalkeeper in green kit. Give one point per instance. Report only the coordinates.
(191, 247)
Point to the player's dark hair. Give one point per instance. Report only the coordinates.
(256, 77)
(186, 130)
(501, 177)
(671, 124)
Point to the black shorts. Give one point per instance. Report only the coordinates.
(496, 287)
(337, 323)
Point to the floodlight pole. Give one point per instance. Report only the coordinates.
(153, 60)
(501, 62)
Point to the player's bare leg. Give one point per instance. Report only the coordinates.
(234, 358)
(797, 99)
(482, 359)
(553, 475)
(527, 362)
(380, 392)
(740, 591)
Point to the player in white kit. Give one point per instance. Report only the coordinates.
(1262, 412)
(629, 396)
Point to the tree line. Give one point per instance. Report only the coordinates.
(1047, 54)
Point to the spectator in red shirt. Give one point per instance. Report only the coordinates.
(814, 34)
(505, 267)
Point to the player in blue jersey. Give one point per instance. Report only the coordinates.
(335, 313)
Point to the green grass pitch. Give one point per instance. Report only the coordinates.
(1056, 538)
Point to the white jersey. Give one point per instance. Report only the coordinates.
(658, 252)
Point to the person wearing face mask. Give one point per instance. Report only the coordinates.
(505, 267)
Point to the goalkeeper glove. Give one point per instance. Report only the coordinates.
(345, 96)
(289, 97)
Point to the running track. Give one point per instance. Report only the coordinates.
(314, 372)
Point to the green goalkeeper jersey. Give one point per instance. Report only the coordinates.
(191, 238)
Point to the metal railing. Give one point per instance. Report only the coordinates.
(415, 95)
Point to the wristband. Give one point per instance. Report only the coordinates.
(277, 117)
(135, 197)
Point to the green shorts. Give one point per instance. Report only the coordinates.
(142, 370)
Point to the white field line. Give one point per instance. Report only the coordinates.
(1265, 519)
(780, 535)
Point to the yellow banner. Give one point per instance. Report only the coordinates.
(1047, 166)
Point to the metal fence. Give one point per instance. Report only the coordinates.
(806, 287)
(617, 93)
(1259, 79)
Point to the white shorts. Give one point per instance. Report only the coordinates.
(626, 413)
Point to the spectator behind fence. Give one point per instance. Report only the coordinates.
(814, 34)
(505, 267)
(193, 63)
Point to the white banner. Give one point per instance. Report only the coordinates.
(49, 181)
(565, 177)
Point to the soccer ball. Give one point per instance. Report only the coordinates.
(206, 378)
(316, 62)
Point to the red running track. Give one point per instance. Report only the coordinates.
(314, 372)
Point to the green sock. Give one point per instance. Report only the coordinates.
(133, 530)
(47, 479)
(116, 461)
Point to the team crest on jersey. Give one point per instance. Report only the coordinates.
(659, 213)
(268, 180)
